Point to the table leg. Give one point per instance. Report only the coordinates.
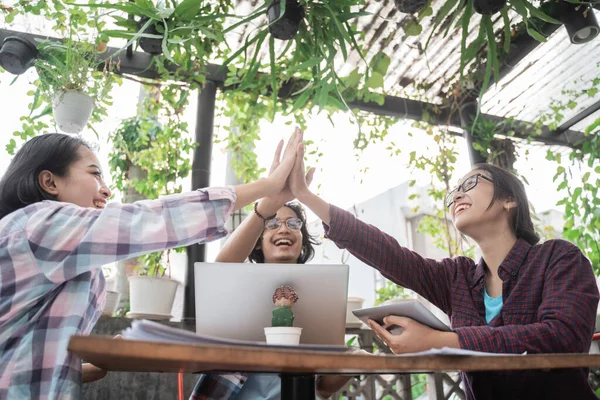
(297, 387)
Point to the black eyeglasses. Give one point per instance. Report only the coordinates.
(293, 224)
(464, 187)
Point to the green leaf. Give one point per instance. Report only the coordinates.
(354, 78)
(535, 34)
(412, 28)
(380, 63)
(375, 81)
(307, 65)
(520, 8)
(258, 13)
(536, 12)
(465, 19)
(590, 128)
(507, 32)
(188, 9)
(348, 16)
(302, 100)
(493, 52)
(585, 177)
(425, 12)
(273, 73)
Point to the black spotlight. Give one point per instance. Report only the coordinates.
(580, 21)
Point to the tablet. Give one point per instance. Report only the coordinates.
(409, 308)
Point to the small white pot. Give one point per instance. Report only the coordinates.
(286, 335)
(151, 297)
(72, 110)
(353, 303)
(112, 301)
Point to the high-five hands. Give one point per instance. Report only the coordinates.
(292, 162)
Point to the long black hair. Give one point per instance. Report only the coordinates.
(308, 241)
(20, 187)
(508, 187)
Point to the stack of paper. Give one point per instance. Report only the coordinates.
(155, 332)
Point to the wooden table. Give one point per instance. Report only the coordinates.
(296, 367)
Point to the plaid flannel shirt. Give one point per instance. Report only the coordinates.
(549, 293)
(51, 284)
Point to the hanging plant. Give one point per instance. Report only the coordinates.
(325, 32)
(284, 17)
(458, 13)
(186, 35)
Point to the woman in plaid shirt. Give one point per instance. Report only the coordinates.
(520, 297)
(57, 230)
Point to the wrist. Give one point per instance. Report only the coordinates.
(304, 196)
(448, 339)
(267, 206)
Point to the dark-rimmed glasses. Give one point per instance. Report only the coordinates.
(464, 187)
(293, 224)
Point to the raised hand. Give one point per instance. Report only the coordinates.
(299, 180)
(280, 169)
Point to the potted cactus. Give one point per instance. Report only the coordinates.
(282, 331)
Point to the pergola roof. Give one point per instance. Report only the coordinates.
(533, 75)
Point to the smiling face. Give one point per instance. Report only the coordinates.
(471, 211)
(282, 245)
(82, 185)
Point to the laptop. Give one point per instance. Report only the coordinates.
(235, 300)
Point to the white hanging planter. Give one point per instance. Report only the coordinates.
(283, 335)
(151, 297)
(72, 110)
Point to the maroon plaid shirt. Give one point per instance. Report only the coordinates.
(549, 294)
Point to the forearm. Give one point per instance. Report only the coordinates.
(327, 385)
(248, 193)
(317, 205)
(242, 241)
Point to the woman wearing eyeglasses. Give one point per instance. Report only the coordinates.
(521, 296)
(275, 232)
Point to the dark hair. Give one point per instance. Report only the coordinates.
(508, 186)
(308, 241)
(20, 187)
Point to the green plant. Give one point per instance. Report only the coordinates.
(70, 65)
(581, 201)
(390, 291)
(188, 32)
(305, 67)
(158, 145)
(459, 14)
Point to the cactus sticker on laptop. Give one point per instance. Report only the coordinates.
(282, 330)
